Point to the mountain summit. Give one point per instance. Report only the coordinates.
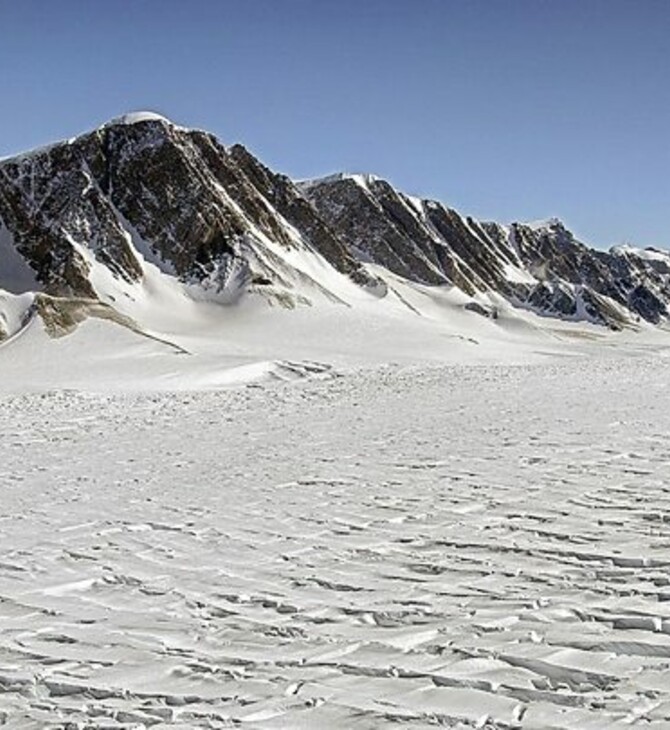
(97, 216)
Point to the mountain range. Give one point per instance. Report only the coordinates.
(94, 224)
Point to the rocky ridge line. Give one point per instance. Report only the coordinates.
(143, 189)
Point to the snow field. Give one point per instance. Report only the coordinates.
(399, 546)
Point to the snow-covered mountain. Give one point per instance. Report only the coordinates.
(83, 218)
(141, 207)
(538, 265)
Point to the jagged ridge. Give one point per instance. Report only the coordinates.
(206, 214)
(543, 267)
(143, 189)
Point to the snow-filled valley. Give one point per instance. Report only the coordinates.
(407, 545)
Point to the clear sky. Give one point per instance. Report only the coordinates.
(505, 109)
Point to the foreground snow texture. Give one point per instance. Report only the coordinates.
(408, 546)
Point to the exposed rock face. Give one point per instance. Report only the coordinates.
(285, 197)
(628, 280)
(63, 316)
(542, 267)
(150, 185)
(82, 213)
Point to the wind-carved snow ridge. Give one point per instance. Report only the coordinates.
(139, 116)
(310, 555)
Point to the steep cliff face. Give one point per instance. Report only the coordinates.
(86, 217)
(144, 188)
(52, 210)
(610, 286)
(542, 266)
(421, 240)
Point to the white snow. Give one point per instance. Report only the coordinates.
(360, 512)
(139, 116)
(15, 310)
(382, 512)
(364, 180)
(417, 205)
(400, 546)
(518, 275)
(542, 223)
(648, 254)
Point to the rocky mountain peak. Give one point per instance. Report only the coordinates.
(85, 217)
(140, 187)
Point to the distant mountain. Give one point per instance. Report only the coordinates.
(539, 266)
(90, 217)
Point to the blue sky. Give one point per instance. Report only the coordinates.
(505, 109)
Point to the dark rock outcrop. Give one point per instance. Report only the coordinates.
(542, 267)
